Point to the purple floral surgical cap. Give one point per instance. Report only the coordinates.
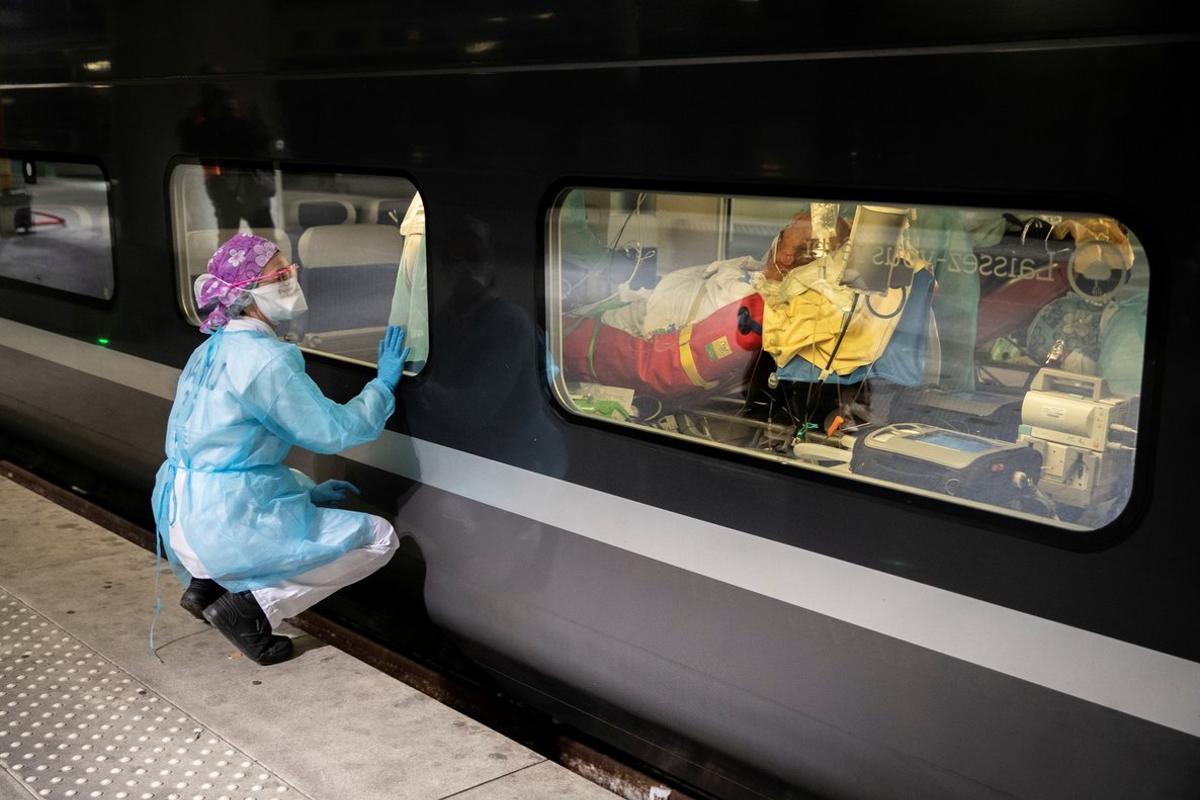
(234, 266)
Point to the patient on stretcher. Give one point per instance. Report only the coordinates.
(702, 328)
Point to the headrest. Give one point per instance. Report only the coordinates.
(323, 212)
(307, 209)
(349, 245)
(376, 209)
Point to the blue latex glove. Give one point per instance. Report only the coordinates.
(331, 492)
(392, 355)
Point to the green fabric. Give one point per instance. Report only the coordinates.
(578, 240)
(1122, 346)
(938, 234)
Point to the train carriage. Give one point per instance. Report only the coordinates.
(803, 392)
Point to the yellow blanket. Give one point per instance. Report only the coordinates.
(804, 314)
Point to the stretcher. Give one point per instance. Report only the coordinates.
(700, 357)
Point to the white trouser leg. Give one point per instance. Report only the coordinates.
(289, 598)
(183, 551)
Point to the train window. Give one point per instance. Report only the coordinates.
(54, 226)
(359, 241)
(987, 357)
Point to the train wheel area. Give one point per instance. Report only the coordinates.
(87, 709)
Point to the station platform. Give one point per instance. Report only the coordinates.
(87, 711)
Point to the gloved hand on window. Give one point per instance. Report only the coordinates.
(331, 492)
(392, 355)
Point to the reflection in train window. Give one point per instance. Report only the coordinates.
(359, 241)
(988, 357)
(54, 226)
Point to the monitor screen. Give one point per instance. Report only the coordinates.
(954, 441)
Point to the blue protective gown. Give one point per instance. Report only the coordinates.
(242, 402)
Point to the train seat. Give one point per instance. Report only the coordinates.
(302, 210)
(348, 277)
(374, 210)
(309, 209)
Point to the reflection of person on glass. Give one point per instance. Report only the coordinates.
(259, 541)
(490, 398)
(223, 123)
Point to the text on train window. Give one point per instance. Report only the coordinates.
(54, 226)
(990, 357)
(359, 241)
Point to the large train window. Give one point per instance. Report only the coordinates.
(359, 241)
(54, 226)
(988, 357)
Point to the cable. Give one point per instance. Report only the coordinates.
(648, 417)
(808, 404)
(899, 307)
(882, 346)
(643, 255)
(637, 207)
(612, 251)
(842, 334)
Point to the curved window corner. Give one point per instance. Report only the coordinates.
(359, 241)
(54, 225)
(985, 357)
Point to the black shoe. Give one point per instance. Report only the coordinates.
(238, 616)
(201, 593)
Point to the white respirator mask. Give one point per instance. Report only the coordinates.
(281, 300)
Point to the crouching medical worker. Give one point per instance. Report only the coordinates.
(257, 538)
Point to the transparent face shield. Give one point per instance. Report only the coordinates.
(284, 274)
(278, 294)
